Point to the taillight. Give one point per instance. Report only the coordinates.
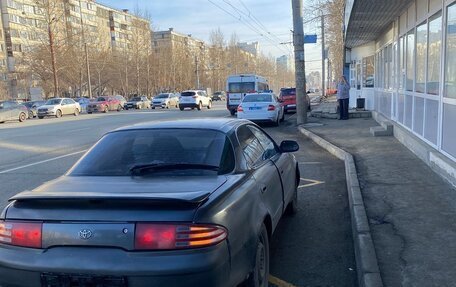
(194, 97)
(271, 108)
(25, 234)
(153, 236)
(240, 109)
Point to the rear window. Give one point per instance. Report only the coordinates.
(53, 102)
(101, 99)
(162, 96)
(116, 153)
(288, 92)
(136, 99)
(257, 98)
(188, 94)
(246, 87)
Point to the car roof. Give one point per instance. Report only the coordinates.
(221, 124)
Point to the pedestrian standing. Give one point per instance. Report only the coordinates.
(343, 95)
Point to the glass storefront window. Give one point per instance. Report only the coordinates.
(368, 72)
(401, 63)
(421, 46)
(435, 42)
(410, 59)
(450, 59)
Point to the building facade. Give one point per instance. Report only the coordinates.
(252, 48)
(26, 27)
(284, 62)
(404, 66)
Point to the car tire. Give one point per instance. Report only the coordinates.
(58, 114)
(105, 109)
(153, 108)
(22, 117)
(30, 115)
(181, 108)
(89, 112)
(232, 112)
(76, 112)
(119, 108)
(199, 106)
(40, 117)
(260, 273)
(283, 117)
(167, 106)
(209, 106)
(277, 121)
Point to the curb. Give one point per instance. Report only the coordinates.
(365, 256)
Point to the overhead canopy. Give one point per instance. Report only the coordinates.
(366, 20)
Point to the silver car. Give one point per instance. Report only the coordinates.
(165, 100)
(10, 110)
(58, 107)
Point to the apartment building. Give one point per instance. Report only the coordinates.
(84, 24)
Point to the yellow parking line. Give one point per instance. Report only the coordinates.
(279, 282)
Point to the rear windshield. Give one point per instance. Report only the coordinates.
(101, 99)
(288, 92)
(246, 87)
(116, 153)
(162, 96)
(188, 94)
(257, 98)
(136, 99)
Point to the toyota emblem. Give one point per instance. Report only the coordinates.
(85, 234)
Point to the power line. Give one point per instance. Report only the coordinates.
(249, 25)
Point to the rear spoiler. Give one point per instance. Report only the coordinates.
(184, 198)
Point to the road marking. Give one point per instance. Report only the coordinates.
(43, 161)
(312, 182)
(310, 162)
(279, 282)
(27, 148)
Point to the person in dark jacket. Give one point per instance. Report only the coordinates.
(343, 95)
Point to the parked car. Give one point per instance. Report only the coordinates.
(32, 108)
(165, 100)
(261, 107)
(104, 105)
(288, 98)
(219, 96)
(58, 107)
(121, 99)
(194, 99)
(12, 111)
(83, 102)
(138, 103)
(183, 202)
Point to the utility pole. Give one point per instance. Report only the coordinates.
(53, 60)
(323, 89)
(86, 51)
(300, 72)
(197, 73)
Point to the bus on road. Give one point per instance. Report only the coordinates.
(237, 86)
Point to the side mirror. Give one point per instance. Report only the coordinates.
(280, 100)
(289, 146)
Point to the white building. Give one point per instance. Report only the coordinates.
(252, 48)
(402, 59)
(284, 62)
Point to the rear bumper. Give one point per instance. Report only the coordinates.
(199, 267)
(289, 107)
(188, 105)
(94, 110)
(264, 117)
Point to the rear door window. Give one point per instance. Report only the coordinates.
(188, 94)
(251, 146)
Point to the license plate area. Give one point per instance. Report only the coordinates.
(76, 280)
(255, 108)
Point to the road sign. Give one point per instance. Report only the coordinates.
(310, 39)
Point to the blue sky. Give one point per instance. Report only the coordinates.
(200, 17)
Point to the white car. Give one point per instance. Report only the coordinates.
(194, 99)
(58, 107)
(261, 107)
(165, 100)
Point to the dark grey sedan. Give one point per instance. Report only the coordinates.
(183, 203)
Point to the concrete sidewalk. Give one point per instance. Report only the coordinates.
(411, 210)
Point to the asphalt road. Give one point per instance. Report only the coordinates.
(312, 248)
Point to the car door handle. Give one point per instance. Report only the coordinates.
(281, 171)
(264, 188)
